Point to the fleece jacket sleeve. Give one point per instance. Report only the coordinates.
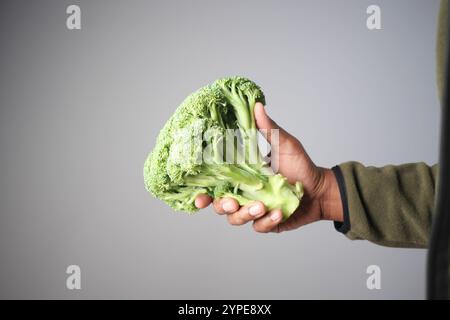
(390, 206)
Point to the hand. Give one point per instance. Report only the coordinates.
(321, 200)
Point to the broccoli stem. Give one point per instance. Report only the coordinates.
(212, 175)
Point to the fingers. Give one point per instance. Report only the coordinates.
(269, 222)
(221, 206)
(202, 201)
(225, 205)
(247, 213)
(236, 215)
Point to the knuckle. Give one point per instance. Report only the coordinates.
(218, 207)
(293, 143)
(243, 214)
(259, 228)
(234, 220)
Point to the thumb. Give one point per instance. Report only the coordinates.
(265, 124)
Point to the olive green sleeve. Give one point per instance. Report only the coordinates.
(391, 206)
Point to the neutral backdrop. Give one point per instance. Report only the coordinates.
(80, 110)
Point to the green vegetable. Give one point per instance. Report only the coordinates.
(196, 154)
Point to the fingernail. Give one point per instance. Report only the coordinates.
(255, 210)
(228, 206)
(275, 216)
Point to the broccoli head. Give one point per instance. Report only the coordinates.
(209, 146)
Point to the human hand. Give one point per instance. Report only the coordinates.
(321, 200)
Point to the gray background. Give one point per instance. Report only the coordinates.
(80, 110)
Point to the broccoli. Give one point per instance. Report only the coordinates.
(196, 154)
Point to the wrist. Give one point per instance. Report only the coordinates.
(330, 199)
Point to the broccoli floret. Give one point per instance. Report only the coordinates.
(194, 153)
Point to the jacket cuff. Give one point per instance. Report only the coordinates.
(344, 226)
